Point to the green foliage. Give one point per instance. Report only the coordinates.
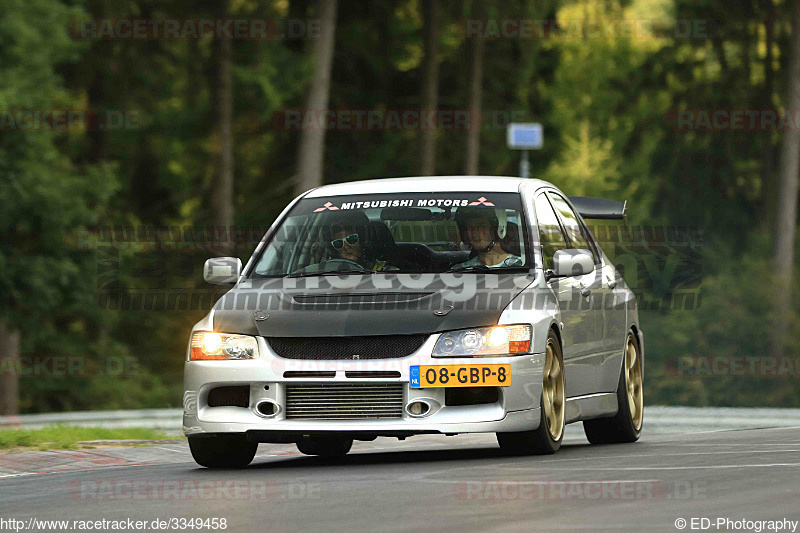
(44, 196)
(605, 103)
(63, 437)
(731, 322)
(587, 166)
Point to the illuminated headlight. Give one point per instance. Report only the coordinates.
(478, 342)
(208, 345)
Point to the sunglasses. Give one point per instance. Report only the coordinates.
(351, 240)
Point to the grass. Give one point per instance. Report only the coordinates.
(66, 437)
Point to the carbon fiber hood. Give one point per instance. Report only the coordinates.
(381, 304)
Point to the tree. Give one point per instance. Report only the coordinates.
(46, 288)
(9, 377)
(222, 191)
(312, 141)
(768, 179)
(786, 219)
(475, 96)
(430, 84)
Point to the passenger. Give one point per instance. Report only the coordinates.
(482, 230)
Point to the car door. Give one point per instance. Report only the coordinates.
(593, 292)
(615, 326)
(577, 318)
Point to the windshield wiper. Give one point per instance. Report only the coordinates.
(330, 273)
(484, 268)
(470, 268)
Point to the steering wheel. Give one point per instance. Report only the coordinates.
(345, 261)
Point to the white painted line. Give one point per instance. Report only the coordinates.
(625, 456)
(531, 482)
(701, 445)
(18, 475)
(693, 467)
(184, 451)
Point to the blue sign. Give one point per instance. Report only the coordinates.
(415, 377)
(524, 136)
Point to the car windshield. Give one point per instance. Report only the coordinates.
(399, 232)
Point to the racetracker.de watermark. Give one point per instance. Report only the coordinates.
(70, 119)
(751, 366)
(614, 490)
(62, 366)
(393, 119)
(733, 119)
(149, 238)
(146, 29)
(586, 29)
(192, 489)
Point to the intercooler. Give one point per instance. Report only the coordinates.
(344, 401)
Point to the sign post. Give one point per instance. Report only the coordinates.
(524, 136)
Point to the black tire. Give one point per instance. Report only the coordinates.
(540, 441)
(620, 427)
(222, 451)
(324, 446)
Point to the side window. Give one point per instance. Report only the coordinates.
(550, 235)
(573, 228)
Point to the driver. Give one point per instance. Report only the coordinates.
(483, 229)
(347, 237)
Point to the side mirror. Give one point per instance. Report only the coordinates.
(222, 270)
(572, 262)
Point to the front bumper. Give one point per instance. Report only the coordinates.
(517, 408)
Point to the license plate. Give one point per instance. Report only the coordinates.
(428, 376)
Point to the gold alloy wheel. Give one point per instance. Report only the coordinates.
(553, 392)
(633, 382)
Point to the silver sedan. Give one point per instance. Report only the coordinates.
(398, 307)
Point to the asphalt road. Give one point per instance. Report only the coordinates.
(427, 483)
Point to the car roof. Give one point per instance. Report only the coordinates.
(426, 184)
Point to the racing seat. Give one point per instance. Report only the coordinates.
(383, 248)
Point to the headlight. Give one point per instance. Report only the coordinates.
(477, 342)
(207, 345)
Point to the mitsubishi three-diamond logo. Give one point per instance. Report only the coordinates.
(482, 201)
(327, 205)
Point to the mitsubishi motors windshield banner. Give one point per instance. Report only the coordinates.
(426, 201)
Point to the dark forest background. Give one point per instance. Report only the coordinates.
(198, 140)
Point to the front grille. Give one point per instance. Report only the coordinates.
(371, 347)
(344, 401)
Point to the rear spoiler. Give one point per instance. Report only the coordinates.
(599, 207)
